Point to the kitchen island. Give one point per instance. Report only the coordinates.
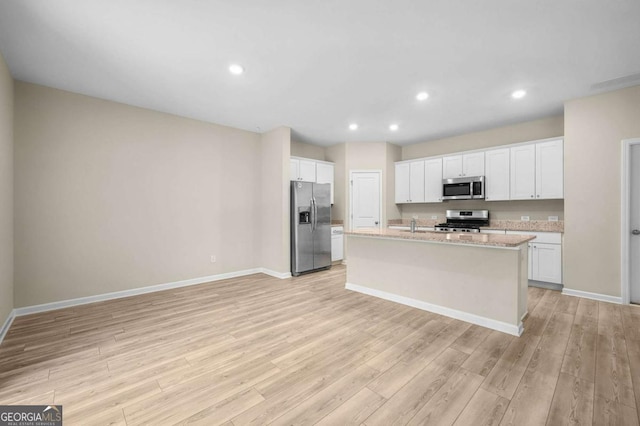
(478, 278)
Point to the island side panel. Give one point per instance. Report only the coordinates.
(482, 281)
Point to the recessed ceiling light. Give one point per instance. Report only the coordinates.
(394, 127)
(353, 126)
(236, 69)
(422, 96)
(518, 94)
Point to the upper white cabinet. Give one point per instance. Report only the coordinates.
(324, 174)
(308, 170)
(433, 180)
(452, 166)
(471, 164)
(496, 169)
(537, 171)
(410, 182)
(523, 172)
(302, 169)
(403, 179)
(549, 169)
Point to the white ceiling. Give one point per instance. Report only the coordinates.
(317, 66)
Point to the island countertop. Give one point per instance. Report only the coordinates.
(477, 239)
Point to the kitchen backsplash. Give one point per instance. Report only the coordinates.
(538, 210)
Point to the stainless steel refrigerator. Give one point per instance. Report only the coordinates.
(310, 227)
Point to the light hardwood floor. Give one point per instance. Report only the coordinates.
(259, 350)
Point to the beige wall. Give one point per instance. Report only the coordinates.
(6, 192)
(307, 150)
(594, 129)
(110, 197)
(338, 154)
(273, 214)
(522, 132)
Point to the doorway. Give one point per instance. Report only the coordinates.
(366, 196)
(630, 221)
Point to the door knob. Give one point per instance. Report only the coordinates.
(636, 232)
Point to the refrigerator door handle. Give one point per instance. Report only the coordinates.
(315, 213)
(312, 212)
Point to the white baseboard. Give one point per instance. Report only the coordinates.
(6, 325)
(441, 310)
(281, 275)
(142, 290)
(593, 296)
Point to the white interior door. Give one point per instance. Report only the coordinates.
(365, 199)
(634, 222)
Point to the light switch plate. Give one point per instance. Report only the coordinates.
(435, 216)
(415, 216)
(553, 218)
(524, 218)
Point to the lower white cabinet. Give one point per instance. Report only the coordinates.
(546, 262)
(337, 243)
(545, 256)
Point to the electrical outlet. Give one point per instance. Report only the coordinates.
(435, 216)
(524, 218)
(415, 216)
(553, 218)
(213, 258)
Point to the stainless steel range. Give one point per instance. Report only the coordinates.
(464, 221)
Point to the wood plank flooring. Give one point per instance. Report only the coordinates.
(259, 350)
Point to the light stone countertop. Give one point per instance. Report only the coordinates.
(478, 239)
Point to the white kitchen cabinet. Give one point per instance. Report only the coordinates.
(546, 263)
(452, 166)
(294, 169)
(410, 182)
(497, 174)
(433, 180)
(337, 243)
(537, 171)
(549, 169)
(308, 170)
(416, 181)
(324, 174)
(463, 165)
(545, 256)
(523, 172)
(403, 178)
(302, 169)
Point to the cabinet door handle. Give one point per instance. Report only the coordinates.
(532, 196)
(538, 195)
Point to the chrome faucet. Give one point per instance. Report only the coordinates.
(413, 224)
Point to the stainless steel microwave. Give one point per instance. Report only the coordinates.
(466, 188)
